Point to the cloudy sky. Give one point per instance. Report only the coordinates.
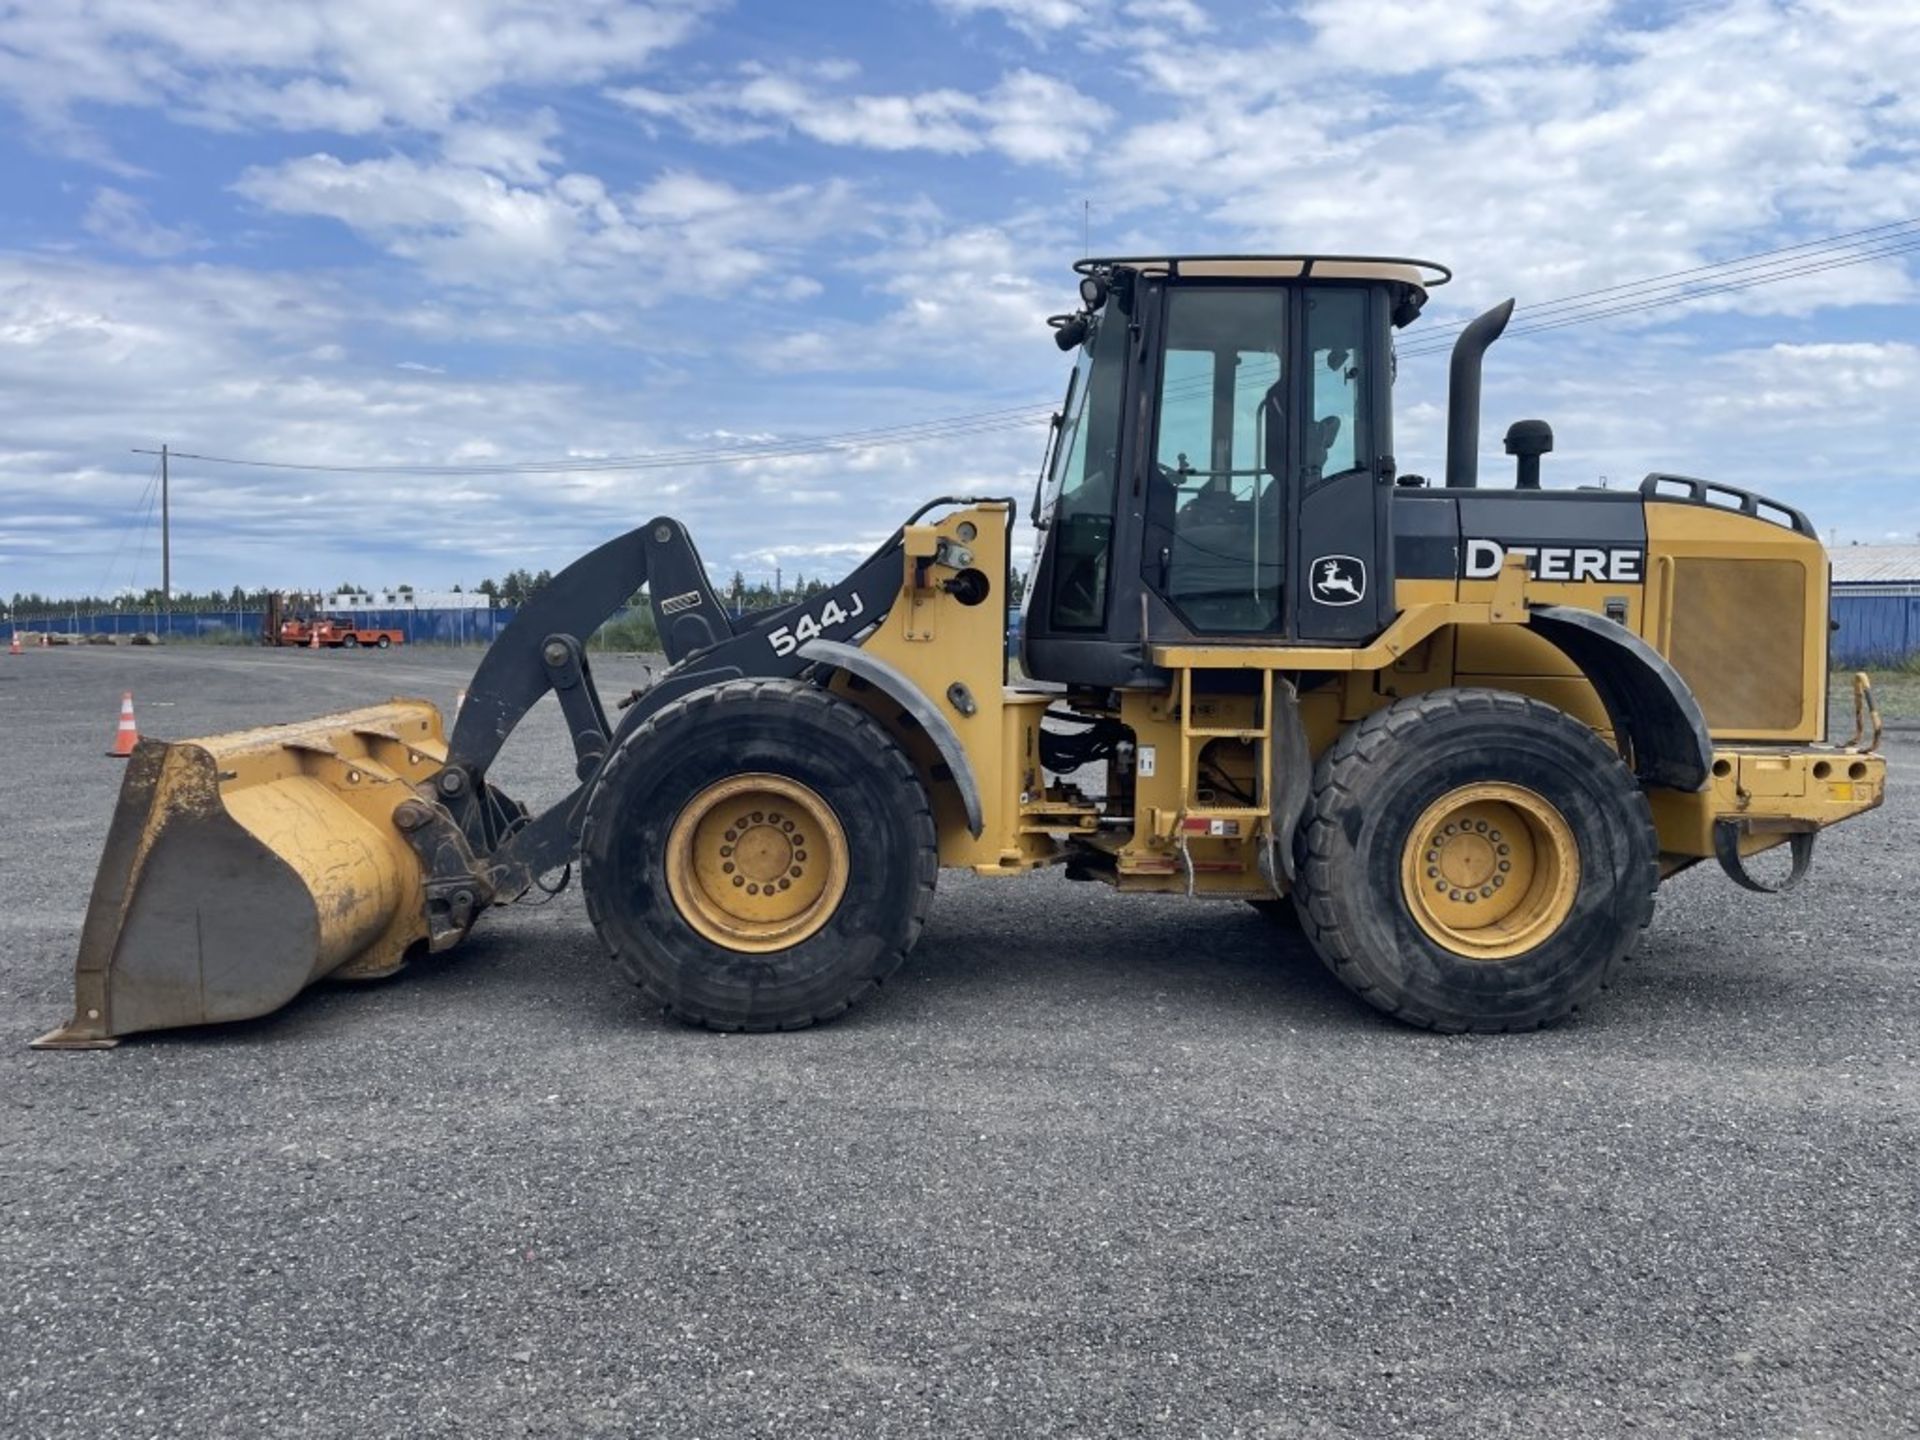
(471, 232)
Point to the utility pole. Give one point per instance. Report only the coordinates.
(166, 529)
(166, 535)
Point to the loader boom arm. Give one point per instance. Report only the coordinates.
(542, 650)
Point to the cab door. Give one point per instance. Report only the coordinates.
(1341, 483)
(1214, 524)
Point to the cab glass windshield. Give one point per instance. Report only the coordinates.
(1085, 473)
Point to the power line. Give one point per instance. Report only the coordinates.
(113, 565)
(1767, 264)
(146, 527)
(1903, 244)
(743, 453)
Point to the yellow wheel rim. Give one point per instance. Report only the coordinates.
(1490, 870)
(757, 862)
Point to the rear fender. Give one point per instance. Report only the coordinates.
(1654, 713)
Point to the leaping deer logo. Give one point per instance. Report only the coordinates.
(1338, 580)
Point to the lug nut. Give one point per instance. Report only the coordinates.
(794, 872)
(727, 869)
(739, 879)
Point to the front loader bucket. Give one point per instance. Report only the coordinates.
(240, 869)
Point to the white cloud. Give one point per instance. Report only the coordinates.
(522, 152)
(1181, 14)
(1402, 36)
(569, 237)
(1665, 146)
(1038, 19)
(971, 299)
(348, 66)
(122, 221)
(1028, 117)
(1028, 15)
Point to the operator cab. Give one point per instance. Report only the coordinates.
(1222, 467)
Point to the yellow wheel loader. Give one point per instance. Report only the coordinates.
(1462, 732)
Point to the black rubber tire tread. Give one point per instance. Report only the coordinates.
(792, 728)
(349, 642)
(1373, 783)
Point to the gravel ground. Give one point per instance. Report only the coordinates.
(1091, 1166)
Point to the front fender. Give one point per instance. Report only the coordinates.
(904, 693)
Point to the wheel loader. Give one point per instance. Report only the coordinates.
(1458, 733)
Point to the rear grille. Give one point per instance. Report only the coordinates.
(1739, 637)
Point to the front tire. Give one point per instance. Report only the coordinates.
(1475, 860)
(759, 855)
(349, 642)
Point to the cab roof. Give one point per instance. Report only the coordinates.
(1420, 275)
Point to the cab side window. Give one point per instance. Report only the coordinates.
(1337, 433)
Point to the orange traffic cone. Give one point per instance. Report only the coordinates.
(313, 636)
(128, 735)
(458, 701)
(14, 648)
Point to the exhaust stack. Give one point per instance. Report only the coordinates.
(1463, 396)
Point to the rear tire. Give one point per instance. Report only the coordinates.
(736, 766)
(383, 643)
(350, 642)
(1422, 813)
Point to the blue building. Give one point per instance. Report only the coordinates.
(1876, 604)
